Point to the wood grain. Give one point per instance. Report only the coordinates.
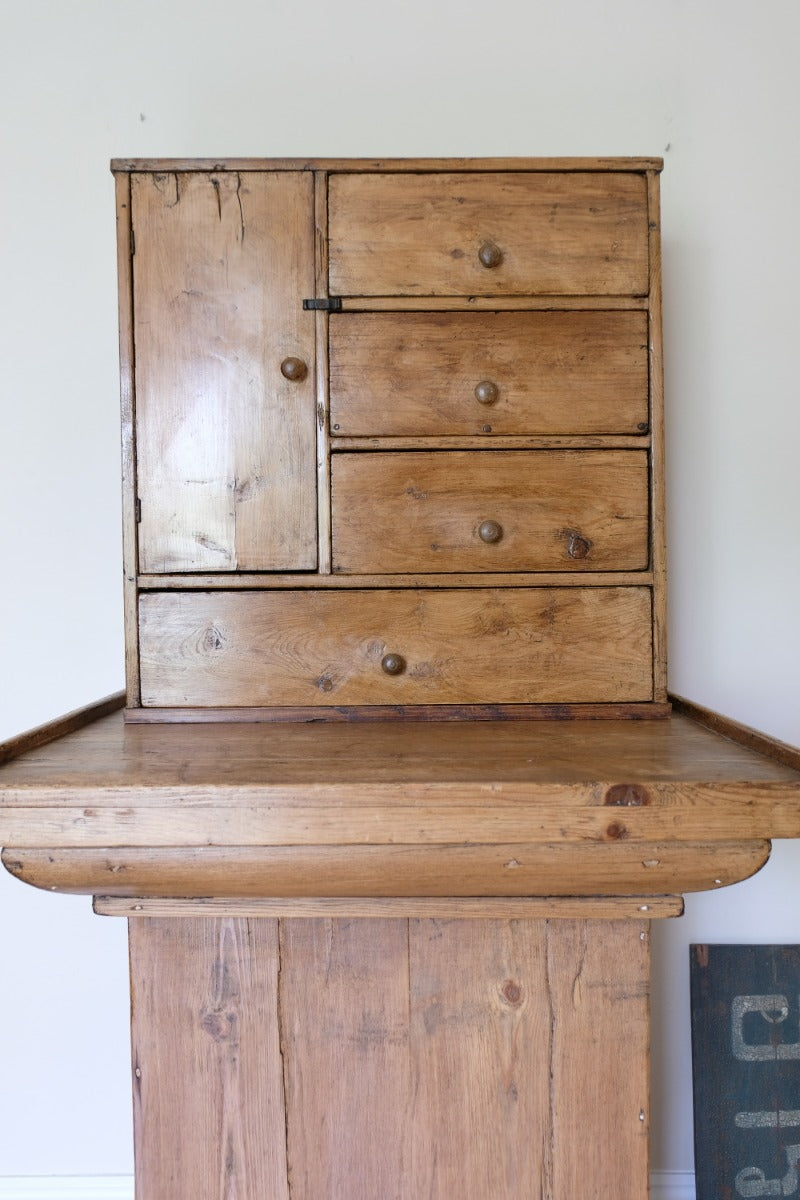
(248, 580)
(555, 372)
(567, 510)
(226, 447)
(520, 866)
(658, 474)
(404, 712)
(501, 646)
(604, 908)
(127, 396)
(597, 987)
(744, 735)
(386, 164)
(420, 234)
(344, 1012)
(207, 1078)
(53, 731)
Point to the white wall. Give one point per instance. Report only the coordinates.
(711, 84)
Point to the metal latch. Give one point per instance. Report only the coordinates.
(324, 304)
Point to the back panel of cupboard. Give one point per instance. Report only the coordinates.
(478, 416)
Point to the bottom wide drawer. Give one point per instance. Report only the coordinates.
(403, 646)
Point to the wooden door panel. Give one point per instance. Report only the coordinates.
(226, 446)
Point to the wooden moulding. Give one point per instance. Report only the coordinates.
(407, 712)
(385, 164)
(606, 908)
(127, 412)
(743, 735)
(244, 580)
(53, 730)
(517, 868)
(657, 495)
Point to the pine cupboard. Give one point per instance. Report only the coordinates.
(392, 437)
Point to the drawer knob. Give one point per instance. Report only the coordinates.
(490, 254)
(490, 531)
(294, 369)
(393, 664)
(487, 392)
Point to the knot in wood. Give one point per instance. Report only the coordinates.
(512, 992)
(615, 831)
(627, 795)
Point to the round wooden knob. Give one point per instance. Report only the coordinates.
(486, 392)
(294, 369)
(490, 254)
(393, 664)
(490, 531)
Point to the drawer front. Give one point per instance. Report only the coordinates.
(512, 233)
(539, 510)
(434, 374)
(516, 645)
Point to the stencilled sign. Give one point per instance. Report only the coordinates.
(746, 1060)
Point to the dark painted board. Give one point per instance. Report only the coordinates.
(746, 1061)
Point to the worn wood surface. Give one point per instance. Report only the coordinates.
(561, 908)
(127, 396)
(658, 474)
(500, 646)
(322, 374)
(386, 164)
(552, 510)
(248, 580)
(226, 446)
(594, 864)
(415, 374)
(208, 1098)
(53, 731)
(415, 1058)
(762, 743)
(368, 304)
(406, 712)
(558, 234)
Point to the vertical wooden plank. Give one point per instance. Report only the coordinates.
(226, 442)
(208, 1095)
(344, 1017)
(657, 494)
(122, 185)
(598, 1047)
(323, 403)
(481, 1075)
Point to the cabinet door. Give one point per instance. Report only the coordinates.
(225, 394)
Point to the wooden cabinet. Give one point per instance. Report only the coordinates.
(403, 413)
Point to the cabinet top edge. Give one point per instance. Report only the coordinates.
(127, 165)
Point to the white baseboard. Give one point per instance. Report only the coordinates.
(669, 1185)
(66, 1187)
(664, 1185)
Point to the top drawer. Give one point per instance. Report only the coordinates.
(509, 233)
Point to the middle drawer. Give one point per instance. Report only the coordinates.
(519, 510)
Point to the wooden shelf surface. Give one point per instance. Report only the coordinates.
(494, 809)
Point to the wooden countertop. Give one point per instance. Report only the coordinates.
(543, 808)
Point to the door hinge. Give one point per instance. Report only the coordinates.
(138, 511)
(324, 304)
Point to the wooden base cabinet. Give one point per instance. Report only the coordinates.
(382, 377)
(335, 1059)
